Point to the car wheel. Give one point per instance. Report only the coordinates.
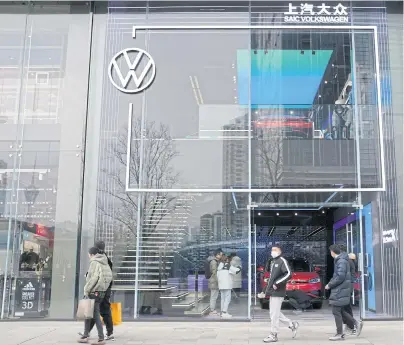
(317, 305)
(264, 304)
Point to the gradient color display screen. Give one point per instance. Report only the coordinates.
(280, 78)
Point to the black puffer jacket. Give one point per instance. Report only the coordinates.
(341, 283)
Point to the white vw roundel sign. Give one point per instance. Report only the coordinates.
(132, 70)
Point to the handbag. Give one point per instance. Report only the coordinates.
(116, 311)
(85, 309)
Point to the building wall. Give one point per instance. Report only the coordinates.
(64, 137)
(43, 95)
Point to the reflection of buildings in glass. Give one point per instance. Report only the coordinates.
(206, 228)
(235, 153)
(211, 227)
(217, 226)
(235, 174)
(193, 233)
(41, 90)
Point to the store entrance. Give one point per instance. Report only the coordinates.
(304, 234)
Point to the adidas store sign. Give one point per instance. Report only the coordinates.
(29, 287)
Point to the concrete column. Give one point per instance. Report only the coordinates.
(72, 114)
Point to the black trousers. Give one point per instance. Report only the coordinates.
(105, 312)
(348, 309)
(341, 315)
(96, 320)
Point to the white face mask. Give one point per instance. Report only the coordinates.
(275, 254)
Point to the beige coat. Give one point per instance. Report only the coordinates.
(99, 275)
(213, 282)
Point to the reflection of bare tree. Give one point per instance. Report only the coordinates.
(150, 167)
(270, 162)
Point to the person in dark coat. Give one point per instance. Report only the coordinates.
(348, 308)
(341, 287)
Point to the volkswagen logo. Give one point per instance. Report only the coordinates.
(132, 70)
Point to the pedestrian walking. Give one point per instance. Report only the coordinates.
(280, 273)
(225, 276)
(98, 280)
(105, 304)
(348, 308)
(211, 265)
(341, 287)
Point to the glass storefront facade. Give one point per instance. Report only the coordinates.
(246, 109)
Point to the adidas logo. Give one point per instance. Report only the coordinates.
(29, 287)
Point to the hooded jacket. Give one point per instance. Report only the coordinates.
(341, 282)
(99, 275)
(237, 278)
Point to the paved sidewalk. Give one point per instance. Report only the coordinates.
(193, 333)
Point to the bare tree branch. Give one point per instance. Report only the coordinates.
(150, 167)
(270, 154)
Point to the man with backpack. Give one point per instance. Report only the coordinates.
(211, 265)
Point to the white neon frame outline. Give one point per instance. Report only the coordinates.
(259, 190)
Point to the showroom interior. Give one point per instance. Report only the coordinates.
(252, 132)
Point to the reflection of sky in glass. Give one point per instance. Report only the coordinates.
(280, 78)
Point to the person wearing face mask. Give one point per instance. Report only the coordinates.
(280, 273)
(340, 286)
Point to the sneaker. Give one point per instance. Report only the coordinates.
(349, 331)
(294, 328)
(83, 340)
(98, 342)
(213, 313)
(226, 316)
(110, 337)
(337, 337)
(359, 327)
(271, 338)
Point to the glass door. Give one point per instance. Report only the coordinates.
(355, 232)
(254, 276)
(304, 231)
(366, 261)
